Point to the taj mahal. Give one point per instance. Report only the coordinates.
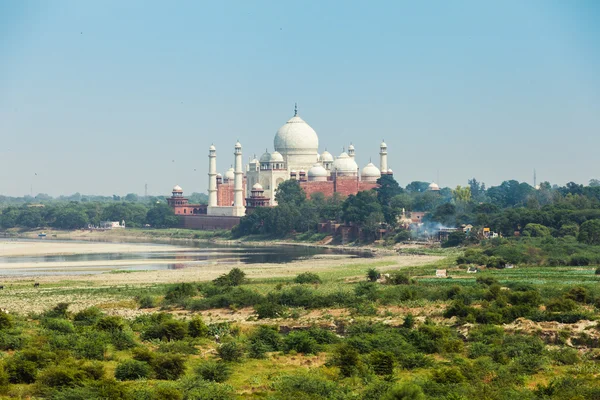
(296, 156)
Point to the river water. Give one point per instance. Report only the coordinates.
(179, 257)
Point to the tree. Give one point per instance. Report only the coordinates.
(417, 187)
(161, 216)
(536, 230)
(356, 209)
(405, 391)
(290, 193)
(132, 197)
(462, 194)
(594, 182)
(589, 232)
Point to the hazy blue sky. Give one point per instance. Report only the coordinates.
(102, 97)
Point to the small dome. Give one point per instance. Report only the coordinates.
(344, 164)
(257, 186)
(317, 170)
(326, 157)
(370, 171)
(276, 157)
(230, 174)
(254, 161)
(351, 147)
(212, 147)
(177, 188)
(219, 175)
(389, 171)
(433, 186)
(238, 145)
(383, 145)
(265, 158)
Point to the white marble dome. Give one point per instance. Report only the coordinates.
(276, 157)
(266, 157)
(370, 172)
(296, 135)
(326, 157)
(317, 170)
(433, 186)
(257, 186)
(230, 174)
(177, 188)
(345, 165)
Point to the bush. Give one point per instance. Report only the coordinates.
(268, 337)
(168, 366)
(235, 277)
(6, 321)
(92, 345)
(178, 346)
(89, 316)
(21, 371)
(59, 311)
(147, 301)
(382, 363)
(231, 351)
(308, 277)
(214, 371)
(561, 305)
(60, 377)
(405, 391)
(373, 275)
(58, 325)
(268, 309)
(179, 292)
(301, 342)
(130, 370)
(169, 329)
(579, 294)
(123, 340)
(110, 323)
(399, 278)
(143, 354)
(197, 328)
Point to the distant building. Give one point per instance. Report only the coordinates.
(181, 206)
(112, 224)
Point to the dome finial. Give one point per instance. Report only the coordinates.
(295, 109)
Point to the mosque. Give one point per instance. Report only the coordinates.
(295, 156)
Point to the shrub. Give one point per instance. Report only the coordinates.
(130, 370)
(58, 325)
(168, 366)
(448, 375)
(565, 356)
(405, 391)
(60, 377)
(166, 330)
(561, 305)
(597, 271)
(301, 342)
(231, 351)
(147, 301)
(6, 321)
(399, 278)
(20, 370)
(409, 321)
(579, 294)
(268, 336)
(110, 323)
(235, 277)
(179, 292)
(346, 358)
(123, 339)
(214, 371)
(197, 328)
(308, 386)
(382, 362)
(268, 309)
(373, 275)
(143, 354)
(59, 311)
(92, 345)
(308, 277)
(89, 316)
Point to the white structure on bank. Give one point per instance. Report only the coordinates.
(296, 156)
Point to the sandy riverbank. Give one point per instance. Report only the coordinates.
(52, 247)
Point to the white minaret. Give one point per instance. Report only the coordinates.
(238, 193)
(351, 150)
(212, 176)
(383, 158)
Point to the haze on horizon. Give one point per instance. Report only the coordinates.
(104, 97)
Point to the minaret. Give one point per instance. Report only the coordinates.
(351, 150)
(383, 166)
(238, 195)
(212, 176)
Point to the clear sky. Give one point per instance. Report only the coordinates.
(102, 97)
